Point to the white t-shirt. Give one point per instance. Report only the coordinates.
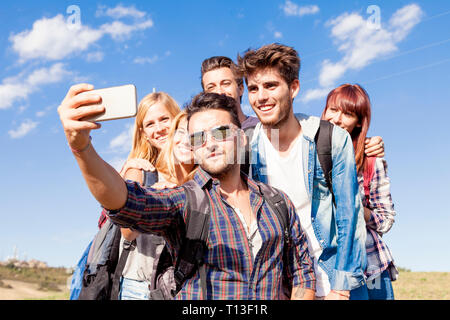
(141, 264)
(286, 174)
(253, 235)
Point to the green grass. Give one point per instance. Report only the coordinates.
(422, 286)
(409, 285)
(48, 279)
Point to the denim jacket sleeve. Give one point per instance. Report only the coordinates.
(349, 215)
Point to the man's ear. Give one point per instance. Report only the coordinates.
(294, 88)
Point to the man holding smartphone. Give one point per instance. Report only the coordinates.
(246, 248)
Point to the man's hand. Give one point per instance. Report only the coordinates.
(139, 164)
(374, 147)
(338, 295)
(72, 111)
(103, 181)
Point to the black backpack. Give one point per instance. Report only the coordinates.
(103, 270)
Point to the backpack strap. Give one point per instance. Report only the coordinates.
(149, 178)
(279, 207)
(127, 247)
(369, 171)
(323, 140)
(193, 249)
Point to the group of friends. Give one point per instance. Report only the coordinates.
(336, 223)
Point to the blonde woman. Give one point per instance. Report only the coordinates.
(156, 112)
(174, 165)
(176, 162)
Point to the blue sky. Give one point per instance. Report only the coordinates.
(401, 57)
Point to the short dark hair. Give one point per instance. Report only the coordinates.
(218, 62)
(280, 57)
(212, 101)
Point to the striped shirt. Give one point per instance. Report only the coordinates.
(379, 257)
(231, 271)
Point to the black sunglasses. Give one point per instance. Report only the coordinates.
(220, 133)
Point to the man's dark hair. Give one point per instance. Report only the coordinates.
(212, 101)
(218, 62)
(282, 58)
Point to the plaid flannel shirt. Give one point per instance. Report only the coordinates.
(379, 257)
(232, 273)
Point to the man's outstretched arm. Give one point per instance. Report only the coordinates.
(104, 182)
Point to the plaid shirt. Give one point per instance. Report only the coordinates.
(231, 271)
(379, 257)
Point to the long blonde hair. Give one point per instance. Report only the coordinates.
(166, 160)
(141, 148)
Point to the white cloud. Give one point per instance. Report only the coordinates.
(361, 43)
(314, 94)
(122, 143)
(278, 35)
(20, 87)
(119, 30)
(95, 56)
(292, 9)
(25, 127)
(145, 60)
(120, 12)
(55, 38)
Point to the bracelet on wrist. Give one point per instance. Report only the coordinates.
(82, 150)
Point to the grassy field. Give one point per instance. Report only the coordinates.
(422, 286)
(51, 284)
(33, 283)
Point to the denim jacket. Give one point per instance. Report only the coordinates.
(340, 230)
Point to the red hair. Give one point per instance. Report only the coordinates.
(353, 99)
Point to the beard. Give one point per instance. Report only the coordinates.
(219, 167)
(285, 110)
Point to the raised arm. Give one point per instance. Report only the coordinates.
(105, 184)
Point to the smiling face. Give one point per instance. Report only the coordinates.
(156, 125)
(346, 120)
(215, 157)
(271, 97)
(222, 81)
(182, 150)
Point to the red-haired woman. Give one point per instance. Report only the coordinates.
(348, 106)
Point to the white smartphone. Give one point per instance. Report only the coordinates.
(119, 102)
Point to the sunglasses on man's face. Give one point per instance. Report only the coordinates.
(220, 133)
